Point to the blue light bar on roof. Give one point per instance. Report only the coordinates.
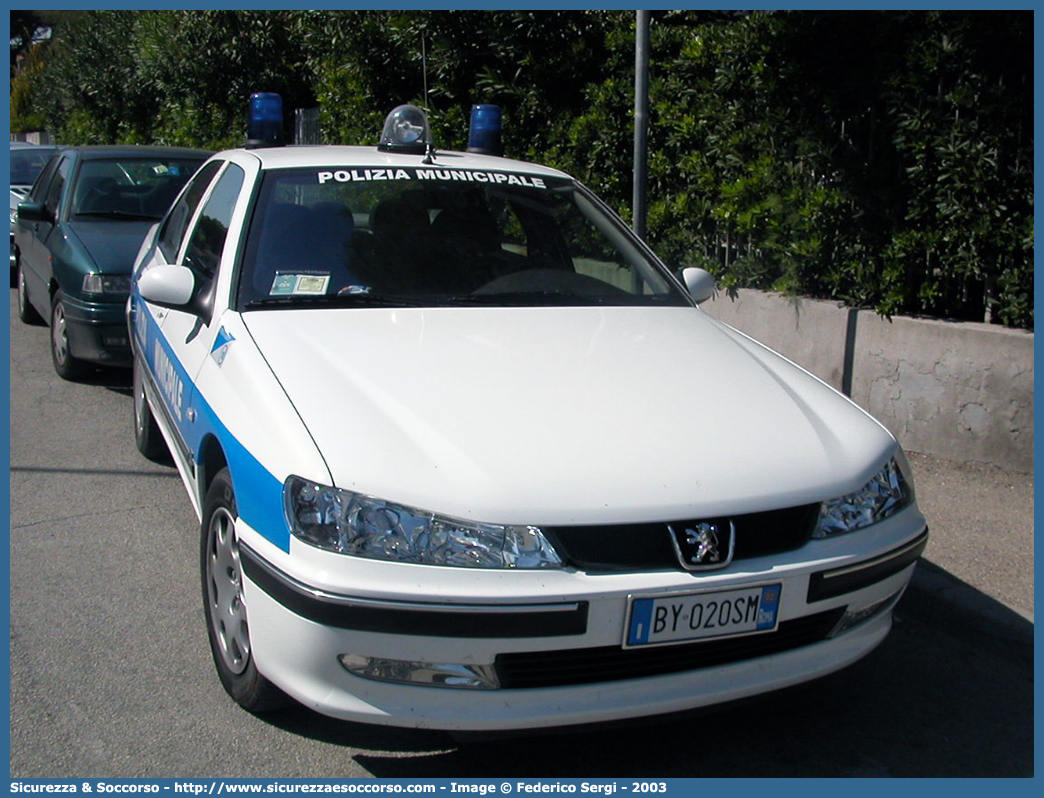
(265, 119)
(484, 137)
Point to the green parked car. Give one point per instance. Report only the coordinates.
(76, 237)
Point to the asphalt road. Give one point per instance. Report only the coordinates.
(111, 675)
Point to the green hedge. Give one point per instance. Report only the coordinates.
(884, 159)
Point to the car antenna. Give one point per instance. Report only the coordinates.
(429, 152)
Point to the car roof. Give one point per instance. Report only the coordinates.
(338, 155)
(89, 152)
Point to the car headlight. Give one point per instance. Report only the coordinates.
(885, 494)
(106, 284)
(363, 526)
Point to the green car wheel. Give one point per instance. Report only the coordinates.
(67, 366)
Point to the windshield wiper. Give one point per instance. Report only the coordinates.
(146, 217)
(557, 298)
(336, 301)
(528, 299)
(512, 299)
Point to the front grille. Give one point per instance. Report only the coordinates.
(613, 663)
(647, 547)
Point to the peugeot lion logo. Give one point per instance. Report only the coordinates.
(705, 539)
(703, 545)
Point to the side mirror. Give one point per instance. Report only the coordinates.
(700, 283)
(34, 212)
(168, 286)
(178, 288)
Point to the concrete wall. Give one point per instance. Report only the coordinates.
(957, 390)
(36, 137)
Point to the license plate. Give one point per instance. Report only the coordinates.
(698, 616)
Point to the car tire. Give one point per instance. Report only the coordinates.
(67, 366)
(147, 435)
(26, 312)
(223, 604)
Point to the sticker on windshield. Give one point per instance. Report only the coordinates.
(296, 283)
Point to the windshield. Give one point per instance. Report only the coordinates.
(429, 237)
(131, 188)
(27, 163)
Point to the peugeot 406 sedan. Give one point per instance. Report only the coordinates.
(466, 455)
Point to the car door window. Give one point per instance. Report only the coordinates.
(174, 227)
(43, 182)
(207, 242)
(54, 193)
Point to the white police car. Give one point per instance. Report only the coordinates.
(466, 454)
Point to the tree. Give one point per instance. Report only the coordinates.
(201, 66)
(366, 63)
(880, 158)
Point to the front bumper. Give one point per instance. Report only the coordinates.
(557, 648)
(97, 331)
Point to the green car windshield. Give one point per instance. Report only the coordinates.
(132, 188)
(339, 237)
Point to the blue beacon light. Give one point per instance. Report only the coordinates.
(484, 135)
(265, 120)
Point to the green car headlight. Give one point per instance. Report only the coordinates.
(363, 526)
(885, 494)
(118, 284)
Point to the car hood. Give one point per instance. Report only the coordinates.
(112, 246)
(564, 415)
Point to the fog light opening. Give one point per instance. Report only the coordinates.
(426, 674)
(854, 617)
